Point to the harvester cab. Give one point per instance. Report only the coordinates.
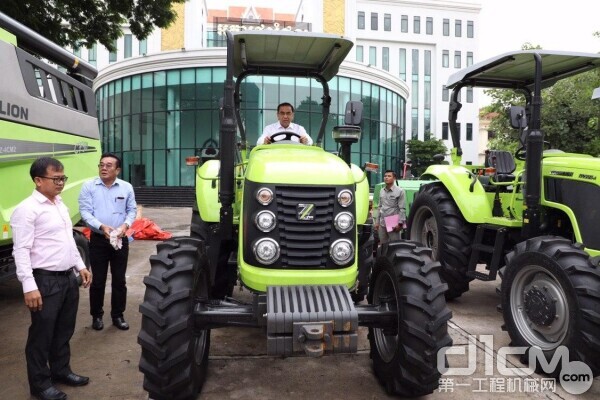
(43, 112)
(531, 217)
(288, 223)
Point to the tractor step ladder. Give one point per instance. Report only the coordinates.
(497, 251)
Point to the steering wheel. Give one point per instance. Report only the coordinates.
(288, 137)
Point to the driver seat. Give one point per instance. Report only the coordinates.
(504, 163)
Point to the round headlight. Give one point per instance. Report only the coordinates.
(345, 198)
(264, 196)
(344, 222)
(265, 221)
(266, 250)
(341, 251)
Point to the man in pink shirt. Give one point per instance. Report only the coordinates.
(46, 256)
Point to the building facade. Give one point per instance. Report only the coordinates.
(158, 98)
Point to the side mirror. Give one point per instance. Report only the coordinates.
(518, 117)
(354, 110)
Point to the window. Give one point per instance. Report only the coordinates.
(469, 29)
(446, 29)
(361, 20)
(469, 95)
(469, 132)
(387, 22)
(417, 25)
(112, 56)
(445, 93)
(429, 26)
(458, 129)
(127, 46)
(373, 56)
(77, 52)
(404, 24)
(403, 64)
(374, 18)
(457, 59)
(445, 59)
(92, 54)
(143, 47)
(458, 28)
(444, 130)
(359, 54)
(469, 58)
(415, 95)
(385, 58)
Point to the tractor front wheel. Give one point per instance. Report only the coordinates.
(405, 279)
(436, 221)
(174, 355)
(550, 298)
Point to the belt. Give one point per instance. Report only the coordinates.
(45, 272)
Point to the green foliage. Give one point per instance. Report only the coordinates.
(421, 153)
(569, 115)
(81, 23)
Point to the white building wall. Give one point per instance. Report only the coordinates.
(311, 11)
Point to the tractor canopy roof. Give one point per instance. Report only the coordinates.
(516, 70)
(288, 53)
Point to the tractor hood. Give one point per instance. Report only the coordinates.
(559, 163)
(297, 164)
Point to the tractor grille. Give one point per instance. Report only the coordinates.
(305, 244)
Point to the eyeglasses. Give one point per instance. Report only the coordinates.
(108, 165)
(56, 179)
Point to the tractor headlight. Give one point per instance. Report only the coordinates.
(341, 251)
(264, 196)
(265, 221)
(345, 198)
(344, 222)
(266, 250)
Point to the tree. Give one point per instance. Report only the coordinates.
(421, 153)
(81, 23)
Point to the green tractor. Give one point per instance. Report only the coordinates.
(43, 113)
(532, 217)
(290, 223)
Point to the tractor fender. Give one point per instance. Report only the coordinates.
(473, 205)
(207, 190)
(361, 194)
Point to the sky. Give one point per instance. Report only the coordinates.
(504, 25)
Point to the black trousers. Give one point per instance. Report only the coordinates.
(102, 254)
(47, 351)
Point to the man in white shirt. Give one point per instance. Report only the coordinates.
(46, 255)
(285, 116)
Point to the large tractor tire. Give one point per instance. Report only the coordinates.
(405, 279)
(436, 222)
(174, 356)
(551, 297)
(83, 247)
(224, 279)
(365, 261)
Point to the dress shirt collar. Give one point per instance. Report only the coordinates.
(43, 199)
(98, 181)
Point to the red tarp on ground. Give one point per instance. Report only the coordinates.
(142, 229)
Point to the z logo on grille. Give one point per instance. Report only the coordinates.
(306, 212)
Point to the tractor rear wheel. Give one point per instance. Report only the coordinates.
(405, 279)
(174, 356)
(550, 298)
(436, 222)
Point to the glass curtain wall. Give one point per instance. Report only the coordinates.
(155, 120)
